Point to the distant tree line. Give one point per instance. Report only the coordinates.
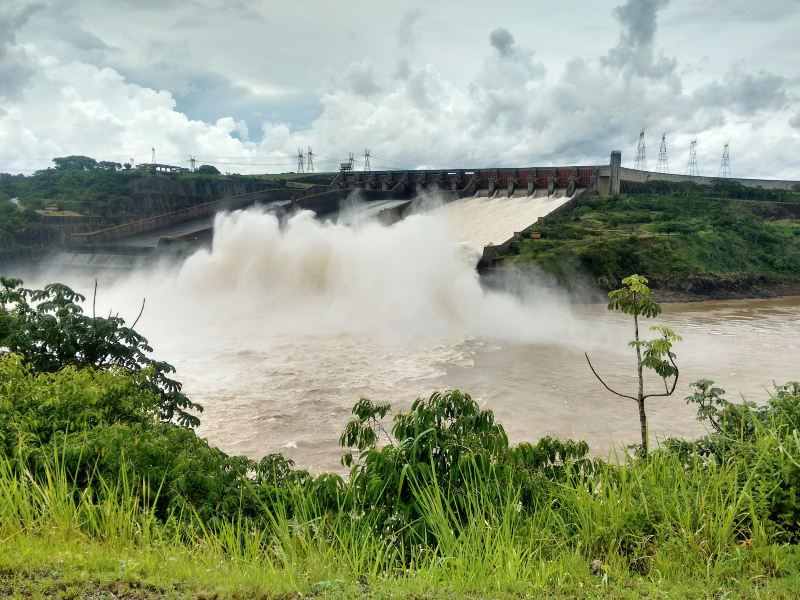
(85, 163)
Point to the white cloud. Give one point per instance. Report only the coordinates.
(507, 109)
(75, 108)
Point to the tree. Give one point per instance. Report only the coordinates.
(75, 163)
(208, 170)
(634, 298)
(444, 441)
(49, 330)
(109, 165)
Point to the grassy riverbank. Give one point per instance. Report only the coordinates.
(692, 245)
(107, 491)
(648, 540)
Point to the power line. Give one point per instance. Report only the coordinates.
(287, 162)
(390, 162)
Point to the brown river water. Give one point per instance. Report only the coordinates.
(278, 331)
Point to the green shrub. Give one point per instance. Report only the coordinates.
(50, 331)
(448, 444)
(35, 406)
(174, 471)
(761, 441)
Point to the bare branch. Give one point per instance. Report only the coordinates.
(94, 300)
(140, 314)
(674, 382)
(600, 379)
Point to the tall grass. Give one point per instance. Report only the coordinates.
(656, 520)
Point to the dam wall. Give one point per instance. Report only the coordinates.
(393, 194)
(207, 209)
(604, 179)
(329, 201)
(467, 182)
(637, 176)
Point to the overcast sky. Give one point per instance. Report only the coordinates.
(462, 83)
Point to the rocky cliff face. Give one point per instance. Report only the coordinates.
(145, 196)
(156, 194)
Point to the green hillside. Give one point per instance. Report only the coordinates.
(693, 243)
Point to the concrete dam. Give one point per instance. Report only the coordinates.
(489, 208)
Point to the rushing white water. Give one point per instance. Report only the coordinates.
(278, 330)
(406, 281)
(480, 221)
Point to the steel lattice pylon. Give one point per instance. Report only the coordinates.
(662, 166)
(310, 161)
(691, 166)
(641, 156)
(725, 165)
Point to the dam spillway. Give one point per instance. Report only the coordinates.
(474, 222)
(482, 221)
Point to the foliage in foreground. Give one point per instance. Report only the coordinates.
(49, 330)
(438, 499)
(445, 498)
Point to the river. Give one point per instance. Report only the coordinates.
(278, 330)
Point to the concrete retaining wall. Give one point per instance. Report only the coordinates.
(111, 234)
(645, 176)
(330, 201)
(494, 252)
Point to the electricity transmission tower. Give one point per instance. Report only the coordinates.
(351, 160)
(300, 160)
(310, 161)
(641, 157)
(366, 159)
(153, 156)
(662, 166)
(725, 165)
(691, 167)
(192, 163)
